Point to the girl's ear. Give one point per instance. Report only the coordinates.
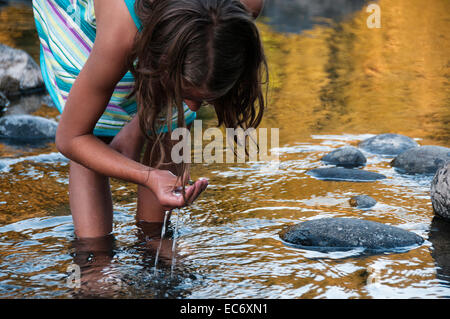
(254, 6)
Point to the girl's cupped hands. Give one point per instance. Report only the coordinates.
(167, 188)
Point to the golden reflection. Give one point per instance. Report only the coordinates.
(347, 78)
(17, 28)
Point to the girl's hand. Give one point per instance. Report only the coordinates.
(166, 187)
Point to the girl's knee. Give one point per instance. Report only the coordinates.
(126, 148)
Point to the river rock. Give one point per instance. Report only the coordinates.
(345, 174)
(388, 144)
(18, 72)
(26, 104)
(340, 234)
(362, 201)
(27, 128)
(422, 160)
(440, 192)
(347, 156)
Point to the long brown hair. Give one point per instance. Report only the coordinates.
(212, 46)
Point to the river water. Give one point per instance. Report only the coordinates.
(334, 82)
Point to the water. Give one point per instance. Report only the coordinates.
(163, 233)
(333, 83)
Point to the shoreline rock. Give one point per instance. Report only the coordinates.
(19, 73)
(440, 192)
(27, 128)
(341, 234)
(345, 174)
(422, 160)
(347, 156)
(388, 144)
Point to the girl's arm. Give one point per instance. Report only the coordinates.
(87, 101)
(254, 6)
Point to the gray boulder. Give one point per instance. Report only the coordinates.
(440, 192)
(347, 156)
(388, 144)
(27, 128)
(18, 72)
(340, 234)
(362, 201)
(422, 160)
(345, 174)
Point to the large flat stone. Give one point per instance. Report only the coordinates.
(345, 174)
(341, 234)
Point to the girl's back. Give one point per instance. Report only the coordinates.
(67, 31)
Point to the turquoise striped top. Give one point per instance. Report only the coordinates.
(130, 6)
(67, 30)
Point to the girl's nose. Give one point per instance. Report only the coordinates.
(193, 105)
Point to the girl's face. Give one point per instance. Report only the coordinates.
(194, 98)
(194, 105)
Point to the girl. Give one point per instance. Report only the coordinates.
(124, 73)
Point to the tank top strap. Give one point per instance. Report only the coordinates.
(130, 6)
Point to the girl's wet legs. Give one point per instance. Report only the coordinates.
(90, 202)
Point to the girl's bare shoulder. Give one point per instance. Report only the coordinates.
(115, 23)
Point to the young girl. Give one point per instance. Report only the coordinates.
(124, 72)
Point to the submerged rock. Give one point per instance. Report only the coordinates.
(340, 234)
(345, 174)
(27, 128)
(347, 156)
(440, 192)
(388, 144)
(422, 160)
(18, 72)
(362, 201)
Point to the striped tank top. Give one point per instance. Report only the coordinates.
(67, 30)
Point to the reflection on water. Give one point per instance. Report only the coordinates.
(348, 78)
(103, 273)
(440, 238)
(17, 28)
(331, 85)
(298, 15)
